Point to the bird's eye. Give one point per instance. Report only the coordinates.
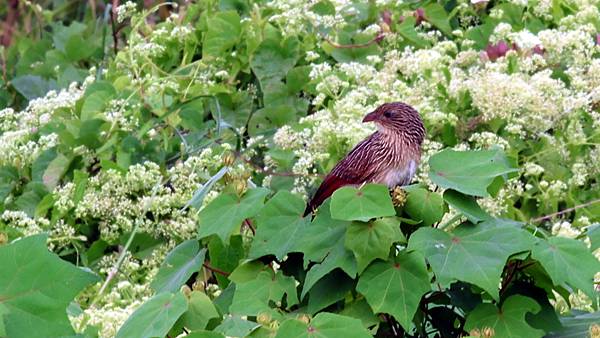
(387, 114)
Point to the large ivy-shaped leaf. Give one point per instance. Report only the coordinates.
(224, 30)
(369, 241)
(155, 317)
(35, 289)
(252, 297)
(178, 266)
(469, 172)
(324, 325)
(279, 224)
(424, 205)
(471, 253)
(361, 204)
(200, 311)
(274, 57)
(225, 214)
(332, 288)
(467, 205)
(438, 17)
(235, 326)
(593, 232)
(396, 287)
(323, 242)
(567, 261)
(506, 322)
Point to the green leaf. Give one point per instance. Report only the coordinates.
(361, 204)
(360, 309)
(234, 326)
(424, 205)
(323, 325)
(41, 163)
(329, 290)
(481, 34)
(205, 334)
(32, 86)
(507, 322)
(226, 257)
(323, 242)
(467, 205)
(155, 317)
(55, 170)
(471, 253)
(437, 16)
(593, 232)
(279, 224)
(178, 267)
(224, 30)
(396, 287)
(338, 257)
(273, 59)
(33, 194)
(200, 311)
(225, 214)
(35, 294)
(252, 297)
(407, 30)
(95, 104)
(477, 169)
(567, 261)
(369, 241)
(9, 177)
(77, 48)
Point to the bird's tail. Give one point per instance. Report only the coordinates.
(326, 189)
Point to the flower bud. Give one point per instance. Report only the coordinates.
(186, 290)
(263, 318)
(228, 158)
(419, 15)
(398, 197)
(240, 186)
(198, 286)
(3, 238)
(304, 318)
(488, 332)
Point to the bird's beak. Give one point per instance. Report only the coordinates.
(372, 116)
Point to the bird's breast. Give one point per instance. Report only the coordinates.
(398, 175)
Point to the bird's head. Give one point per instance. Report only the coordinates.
(399, 118)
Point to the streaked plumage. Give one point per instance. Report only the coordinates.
(389, 156)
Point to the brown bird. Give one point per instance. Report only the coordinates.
(389, 156)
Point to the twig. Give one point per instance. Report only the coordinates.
(250, 226)
(549, 216)
(213, 269)
(115, 30)
(513, 268)
(115, 269)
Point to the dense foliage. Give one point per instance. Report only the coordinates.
(164, 155)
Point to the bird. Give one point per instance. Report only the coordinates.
(389, 156)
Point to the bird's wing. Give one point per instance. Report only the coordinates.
(356, 168)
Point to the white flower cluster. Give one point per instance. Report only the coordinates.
(25, 224)
(125, 11)
(294, 16)
(20, 141)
